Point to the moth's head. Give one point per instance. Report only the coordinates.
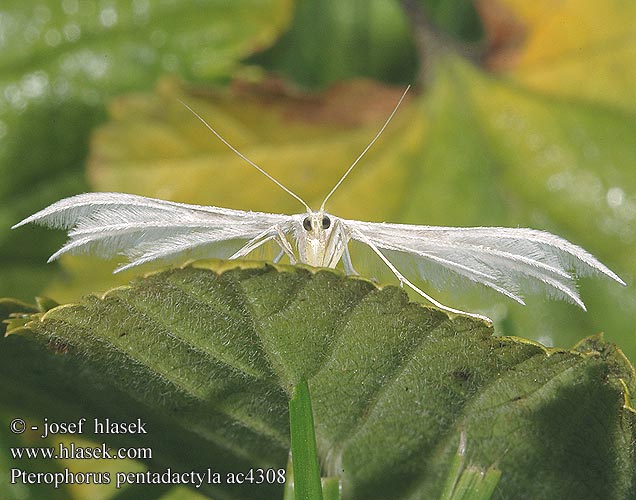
(313, 242)
(317, 224)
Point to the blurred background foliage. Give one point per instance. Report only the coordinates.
(522, 115)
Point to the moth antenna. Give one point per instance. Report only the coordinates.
(322, 207)
(240, 155)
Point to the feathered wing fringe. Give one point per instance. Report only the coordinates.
(146, 229)
(504, 259)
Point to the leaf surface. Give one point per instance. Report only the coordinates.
(209, 361)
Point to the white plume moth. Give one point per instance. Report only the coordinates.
(146, 229)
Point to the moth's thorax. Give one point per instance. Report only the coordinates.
(314, 239)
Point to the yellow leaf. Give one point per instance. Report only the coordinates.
(575, 49)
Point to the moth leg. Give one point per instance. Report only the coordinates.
(264, 237)
(346, 262)
(253, 244)
(284, 245)
(338, 246)
(404, 281)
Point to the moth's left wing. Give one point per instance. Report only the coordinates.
(508, 260)
(147, 229)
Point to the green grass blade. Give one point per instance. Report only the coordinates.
(469, 482)
(306, 469)
(455, 471)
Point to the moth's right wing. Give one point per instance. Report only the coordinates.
(148, 229)
(508, 260)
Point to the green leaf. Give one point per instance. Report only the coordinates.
(210, 361)
(333, 41)
(12, 307)
(79, 48)
(41, 160)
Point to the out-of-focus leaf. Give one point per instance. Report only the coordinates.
(512, 157)
(41, 159)
(59, 61)
(209, 362)
(156, 146)
(574, 50)
(457, 19)
(86, 49)
(334, 41)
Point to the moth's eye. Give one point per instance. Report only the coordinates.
(307, 224)
(326, 222)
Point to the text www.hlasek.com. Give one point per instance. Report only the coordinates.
(80, 452)
(100, 427)
(71, 451)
